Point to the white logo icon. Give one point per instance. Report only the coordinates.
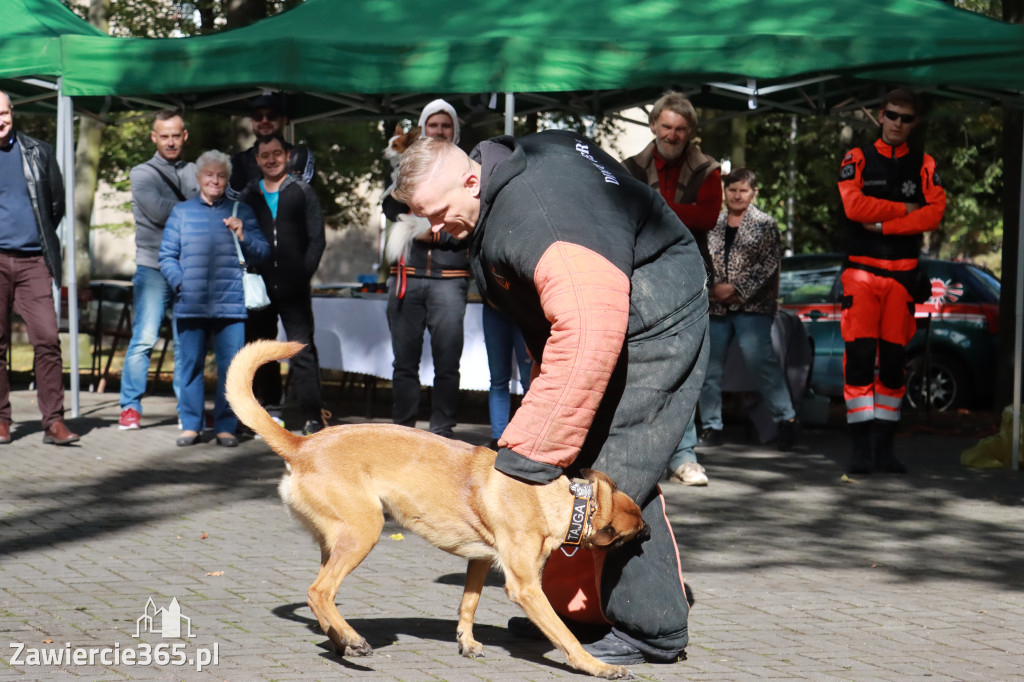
(163, 622)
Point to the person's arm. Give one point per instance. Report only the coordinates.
(859, 207)
(254, 245)
(317, 242)
(586, 300)
(305, 169)
(392, 208)
(927, 217)
(239, 178)
(56, 184)
(702, 215)
(170, 252)
(149, 195)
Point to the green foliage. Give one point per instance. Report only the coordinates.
(169, 18)
(348, 162)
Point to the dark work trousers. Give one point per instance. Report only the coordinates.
(304, 369)
(27, 289)
(648, 403)
(437, 305)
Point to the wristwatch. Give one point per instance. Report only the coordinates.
(878, 227)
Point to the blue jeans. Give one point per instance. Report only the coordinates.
(753, 332)
(684, 451)
(501, 337)
(228, 337)
(151, 294)
(437, 305)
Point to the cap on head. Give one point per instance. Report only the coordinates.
(269, 100)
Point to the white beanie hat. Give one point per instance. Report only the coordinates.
(436, 107)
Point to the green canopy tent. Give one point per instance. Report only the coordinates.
(30, 61)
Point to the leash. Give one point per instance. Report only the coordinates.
(583, 507)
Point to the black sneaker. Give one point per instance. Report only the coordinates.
(312, 426)
(710, 438)
(614, 651)
(788, 432)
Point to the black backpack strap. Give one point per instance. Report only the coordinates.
(174, 187)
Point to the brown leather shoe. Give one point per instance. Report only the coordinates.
(59, 434)
(5, 433)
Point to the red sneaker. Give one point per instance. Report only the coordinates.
(129, 419)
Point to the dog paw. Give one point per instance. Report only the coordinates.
(617, 672)
(360, 649)
(471, 649)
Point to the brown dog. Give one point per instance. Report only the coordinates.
(341, 480)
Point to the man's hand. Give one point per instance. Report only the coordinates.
(911, 207)
(724, 292)
(873, 227)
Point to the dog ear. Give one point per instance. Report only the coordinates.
(617, 517)
(398, 130)
(603, 538)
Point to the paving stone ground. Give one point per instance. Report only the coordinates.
(797, 574)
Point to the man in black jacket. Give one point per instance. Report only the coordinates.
(31, 208)
(290, 217)
(269, 117)
(428, 293)
(608, 287)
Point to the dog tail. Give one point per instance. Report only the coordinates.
(401, 234)
(243, 402)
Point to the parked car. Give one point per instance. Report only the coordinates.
(950, 360)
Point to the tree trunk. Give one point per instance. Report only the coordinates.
(244, 12)
(1013, 139)
(87, 164)
(739, 142)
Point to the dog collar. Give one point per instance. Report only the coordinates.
(582, 510)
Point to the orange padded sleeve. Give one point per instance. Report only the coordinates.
(586, 300)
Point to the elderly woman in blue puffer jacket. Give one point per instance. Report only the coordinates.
(199, 261)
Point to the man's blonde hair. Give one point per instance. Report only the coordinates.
(420, 162)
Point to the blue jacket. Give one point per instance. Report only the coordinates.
(198, 258)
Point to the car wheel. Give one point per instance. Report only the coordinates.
(947, 385)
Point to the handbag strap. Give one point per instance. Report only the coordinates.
(238, 247)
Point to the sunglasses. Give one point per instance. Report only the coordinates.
(905, 118)
(266, 116)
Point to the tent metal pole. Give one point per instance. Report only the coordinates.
(510, 112)
(66, 155)
(1018, 341)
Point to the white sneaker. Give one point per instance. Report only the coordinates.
(690, 473)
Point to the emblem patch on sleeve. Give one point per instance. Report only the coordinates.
(848, 171)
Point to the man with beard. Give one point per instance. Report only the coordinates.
(691, 184)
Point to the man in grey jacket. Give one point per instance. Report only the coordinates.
(31, 208)
(158, 184)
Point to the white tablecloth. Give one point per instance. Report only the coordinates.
(352, 335)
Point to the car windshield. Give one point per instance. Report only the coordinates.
(987, 280)
(807, 280)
